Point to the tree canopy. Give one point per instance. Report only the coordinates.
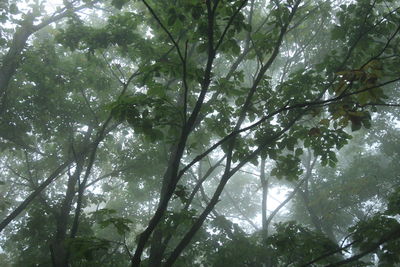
(199, 133)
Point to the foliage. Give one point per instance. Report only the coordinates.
(140, 131)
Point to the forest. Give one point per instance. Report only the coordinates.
(260, 133)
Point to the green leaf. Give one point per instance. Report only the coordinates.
(156, 89)
(196, 12)
(13, 9)
(299, 152)
(355, 126)
(172, 19)
(119, 3)
(202, 48)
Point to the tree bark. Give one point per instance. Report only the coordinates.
(59, 252)
(11, 60)
(157, 247)
(264, 186)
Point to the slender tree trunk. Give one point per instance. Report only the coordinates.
(264, 186)
(59, 252)
(11, 60)
(316, 221)
(157, 246)
(82, 185)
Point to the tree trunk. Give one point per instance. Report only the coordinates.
(157, 247)
(316, 221)
(11, 60)
(264, 185)
(59, 252)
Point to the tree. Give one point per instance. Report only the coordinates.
(208, 89)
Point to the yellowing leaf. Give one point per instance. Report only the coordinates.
(324, 122)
